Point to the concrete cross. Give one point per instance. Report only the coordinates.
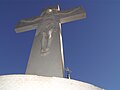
(46, 57)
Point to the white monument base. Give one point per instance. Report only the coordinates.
(33, 82)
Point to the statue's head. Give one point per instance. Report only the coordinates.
(50, 10)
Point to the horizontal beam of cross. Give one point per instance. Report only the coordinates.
(63, 17)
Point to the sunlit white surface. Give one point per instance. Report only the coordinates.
(33, 82)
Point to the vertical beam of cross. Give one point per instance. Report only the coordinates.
(46, 57)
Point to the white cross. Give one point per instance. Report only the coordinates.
(47, 42)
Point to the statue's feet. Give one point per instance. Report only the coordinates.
(44, 52)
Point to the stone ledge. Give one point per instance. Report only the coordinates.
(34, 82)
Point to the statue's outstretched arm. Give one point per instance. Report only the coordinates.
(28, 24)
(71, 14)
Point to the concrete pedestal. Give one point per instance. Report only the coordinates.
(33, 82)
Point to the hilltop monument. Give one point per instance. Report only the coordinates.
(46, 57)
(46, 62)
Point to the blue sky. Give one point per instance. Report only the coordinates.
(91, 46)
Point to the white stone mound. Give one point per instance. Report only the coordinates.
(34, 82)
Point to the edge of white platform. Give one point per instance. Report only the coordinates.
(20, 81)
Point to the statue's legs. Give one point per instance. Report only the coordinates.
(45, 40)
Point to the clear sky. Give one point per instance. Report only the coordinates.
(91, 46)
